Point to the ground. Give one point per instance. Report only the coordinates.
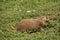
(13, 11)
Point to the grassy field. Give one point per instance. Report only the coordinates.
(12, 11)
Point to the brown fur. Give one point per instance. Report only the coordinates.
(31, 24)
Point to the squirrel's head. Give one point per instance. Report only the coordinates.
(44, 18)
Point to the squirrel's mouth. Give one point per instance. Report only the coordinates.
(47, 21)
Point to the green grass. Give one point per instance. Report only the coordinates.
(12, 11)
